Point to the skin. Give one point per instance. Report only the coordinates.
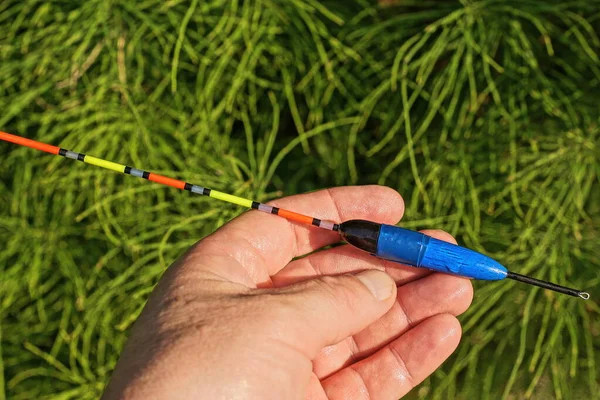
(237, 318)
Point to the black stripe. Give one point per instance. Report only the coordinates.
(187, 186)
(336, 227)
(127, 170)
(206, 192)
(145, 175)
(255, 205)
(80, 157)
(316, 222)
(62, 152)
(275, 210)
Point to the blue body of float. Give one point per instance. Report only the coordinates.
(419, 250)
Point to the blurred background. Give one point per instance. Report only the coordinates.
(483, 114)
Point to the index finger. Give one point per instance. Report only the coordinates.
(263, 244)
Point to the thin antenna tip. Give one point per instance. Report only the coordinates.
(584, 295)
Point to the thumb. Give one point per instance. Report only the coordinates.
(325, 311)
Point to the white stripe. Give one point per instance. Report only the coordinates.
(72, 154)
(197, 189)
(265, 208)
(136, 172)
(326, 225)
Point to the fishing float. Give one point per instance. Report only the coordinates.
(387, 242)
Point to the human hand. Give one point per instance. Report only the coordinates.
(236, 318)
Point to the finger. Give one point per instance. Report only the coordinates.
(315, 390)
(430, 295)
(324, 311)
(394, 370)
(416, 301)
(347, 259)
(260, 244)
(440, 234)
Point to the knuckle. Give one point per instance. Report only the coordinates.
(464, 294)
(469, 291)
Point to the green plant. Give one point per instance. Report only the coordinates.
(483, 114)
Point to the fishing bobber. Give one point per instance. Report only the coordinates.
(384, 241)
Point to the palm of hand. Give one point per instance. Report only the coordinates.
(236, 318)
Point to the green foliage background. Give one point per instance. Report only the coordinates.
(483, 114)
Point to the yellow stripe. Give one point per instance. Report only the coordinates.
(231, 199)
(104, 164)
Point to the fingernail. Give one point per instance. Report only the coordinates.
(379, 283)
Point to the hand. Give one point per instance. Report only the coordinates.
(236, 318)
